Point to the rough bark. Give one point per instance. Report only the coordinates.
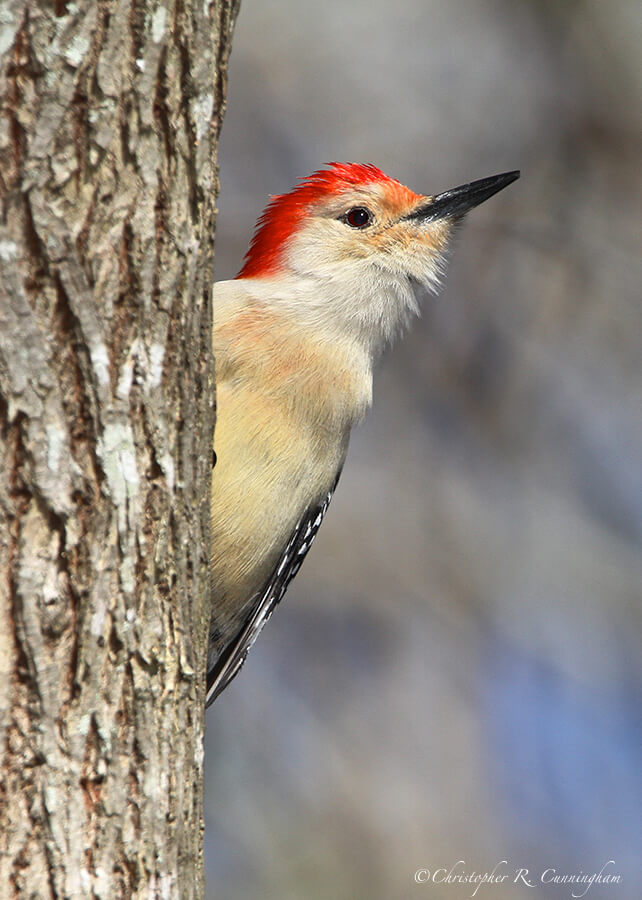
(111, 114)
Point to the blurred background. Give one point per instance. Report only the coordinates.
(456, 672)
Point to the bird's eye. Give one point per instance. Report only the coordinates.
(357, 217)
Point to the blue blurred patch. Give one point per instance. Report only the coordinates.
(564, 763)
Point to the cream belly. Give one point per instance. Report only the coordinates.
(261, 487)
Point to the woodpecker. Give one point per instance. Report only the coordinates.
(333, 273)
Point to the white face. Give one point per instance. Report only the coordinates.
(370, 224)
(345, 250)
(362, 256)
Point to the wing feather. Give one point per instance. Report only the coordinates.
(232, 657)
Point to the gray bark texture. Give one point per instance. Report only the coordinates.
(111, 115)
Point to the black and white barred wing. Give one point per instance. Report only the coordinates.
(233, 656)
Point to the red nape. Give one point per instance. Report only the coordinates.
(285, 211)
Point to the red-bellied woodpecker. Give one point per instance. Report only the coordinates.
(331, 277)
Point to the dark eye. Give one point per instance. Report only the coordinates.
(357, 217)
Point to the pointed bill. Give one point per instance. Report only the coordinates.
(457, 201)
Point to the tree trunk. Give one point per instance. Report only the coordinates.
(107, 187)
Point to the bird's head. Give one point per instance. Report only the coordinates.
(356, 243)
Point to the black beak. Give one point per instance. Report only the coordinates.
(456, 202)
